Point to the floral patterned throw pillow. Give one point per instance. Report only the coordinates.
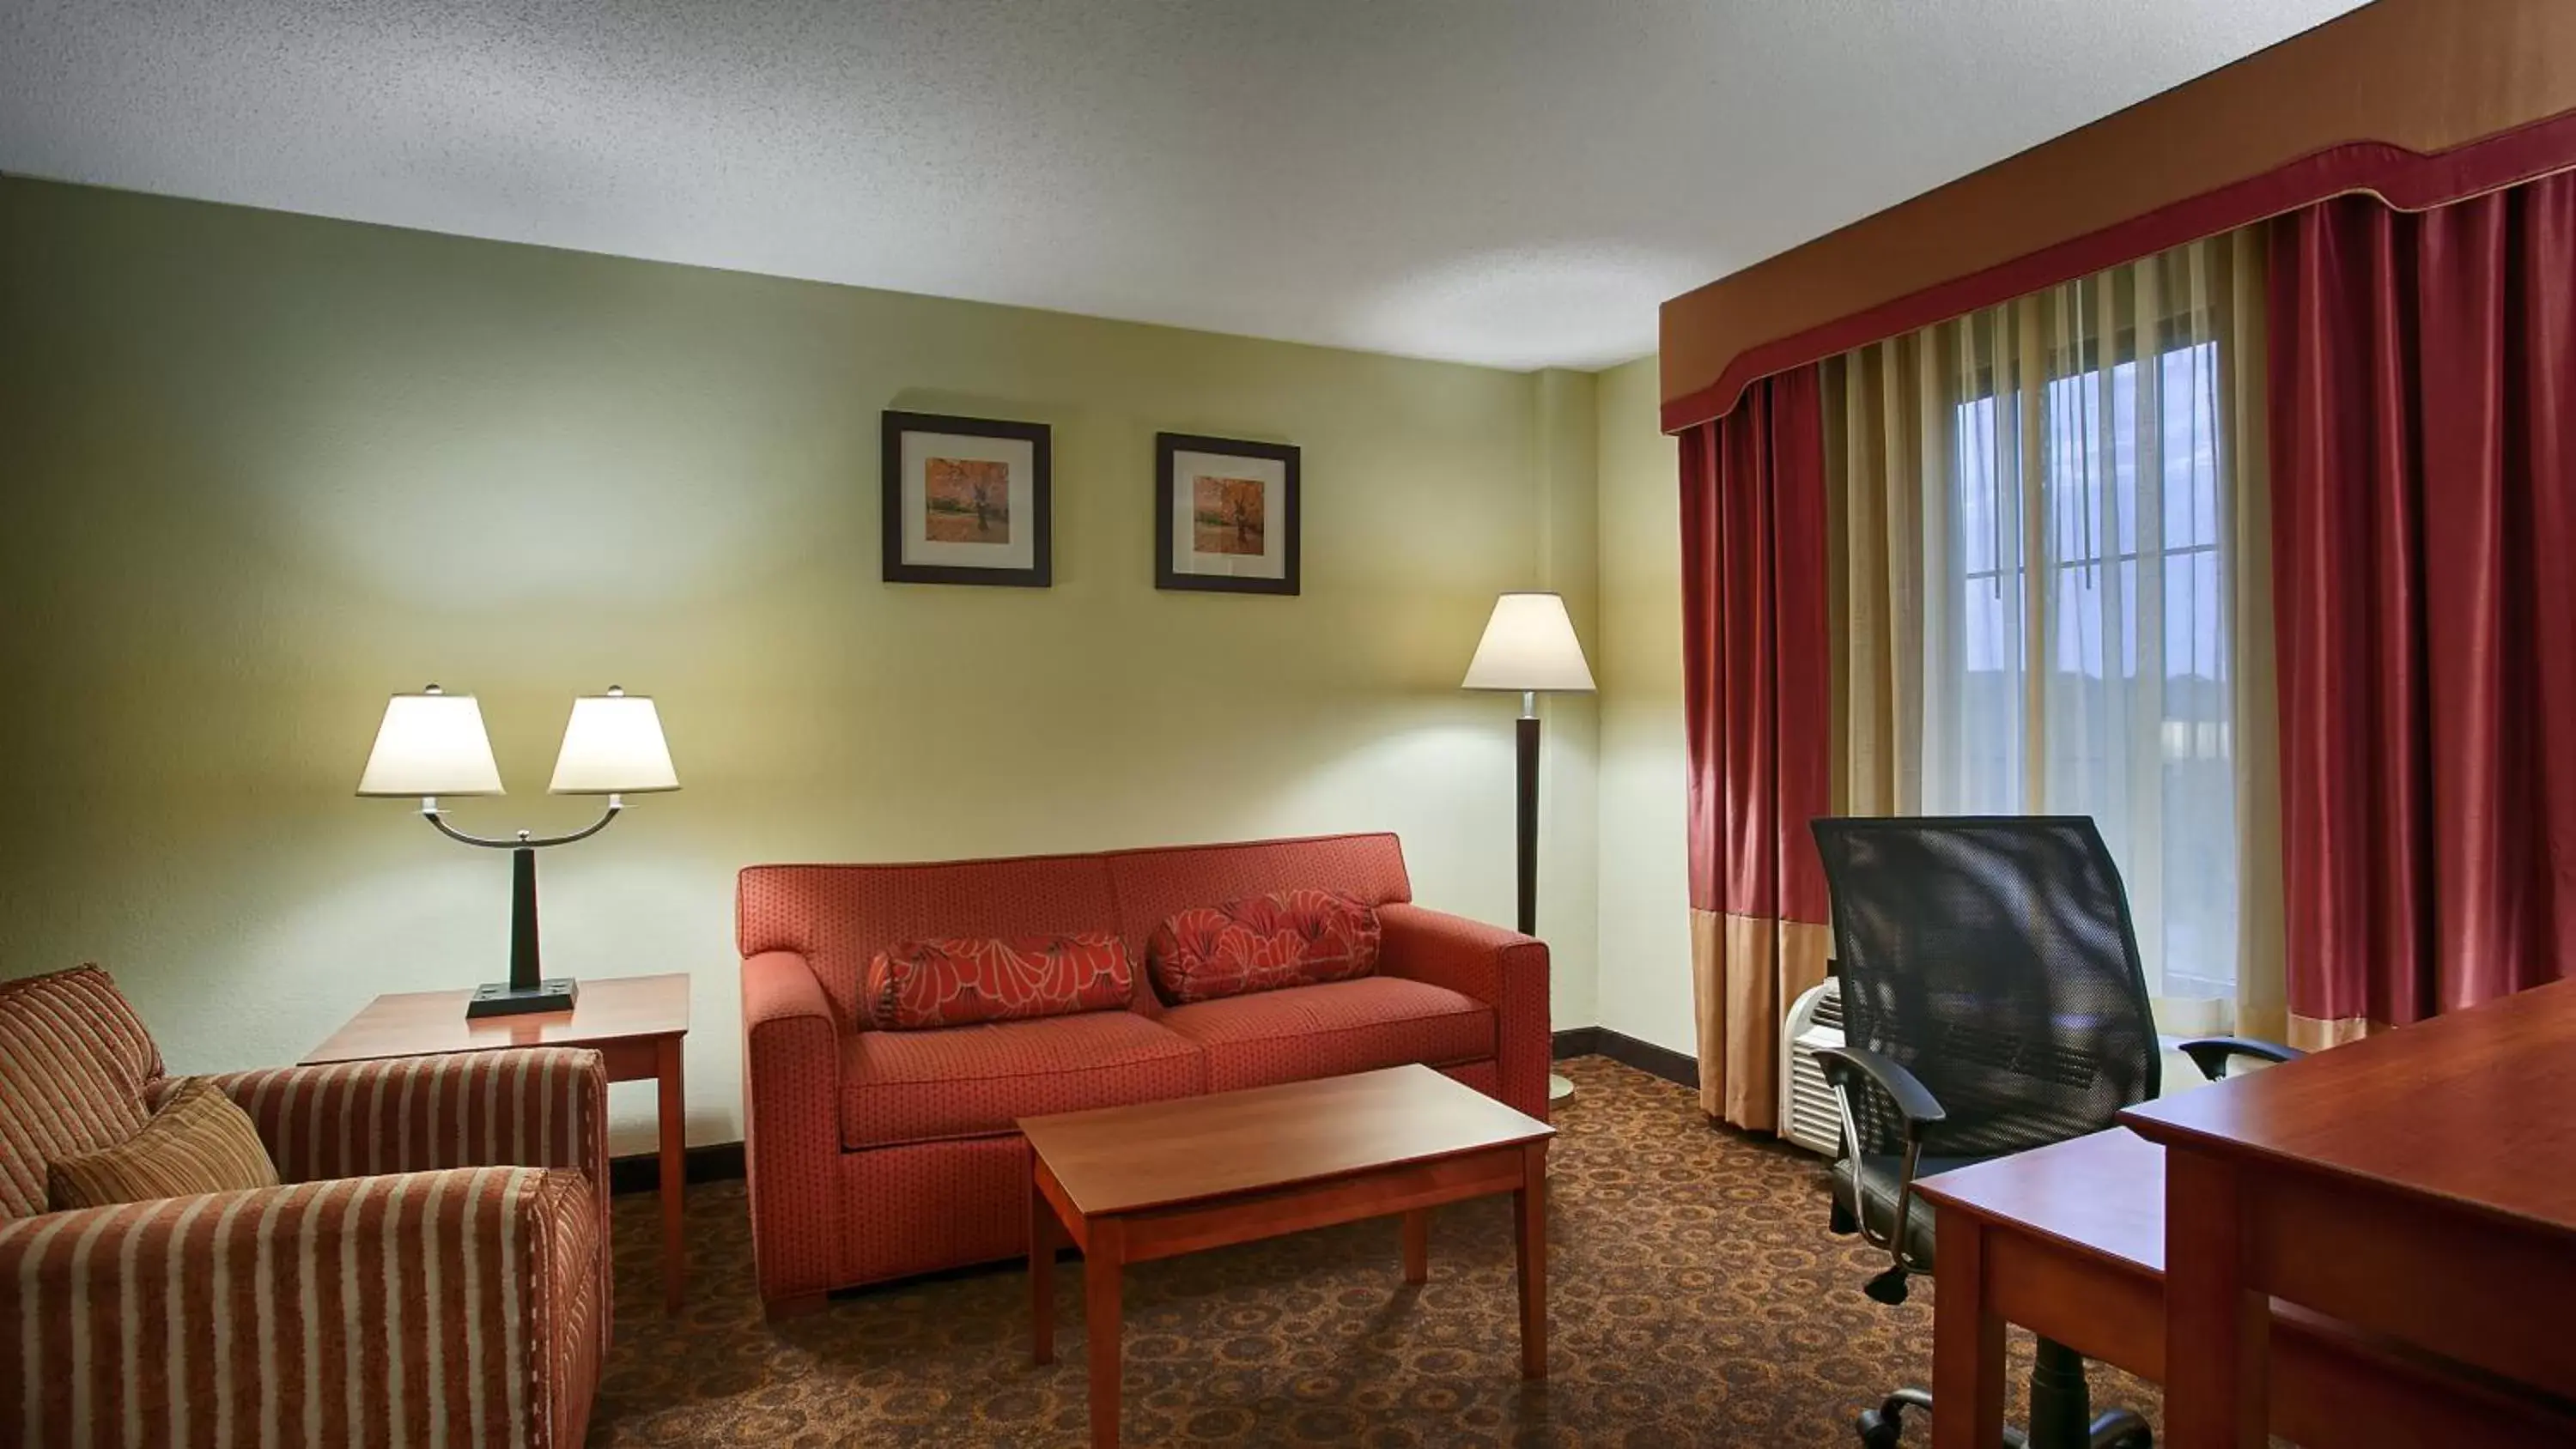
(1293, 938)
(922, 984)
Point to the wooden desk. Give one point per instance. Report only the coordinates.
(635, 1023)
(2420, 1183)
(1131, 1184)
(2069, 1242)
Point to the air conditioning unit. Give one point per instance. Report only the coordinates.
(1807, 1114)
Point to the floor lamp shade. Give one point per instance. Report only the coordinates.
(1529, 646)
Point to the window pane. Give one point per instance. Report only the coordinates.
(2129, 668)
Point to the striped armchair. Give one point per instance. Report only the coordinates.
(432, 1270)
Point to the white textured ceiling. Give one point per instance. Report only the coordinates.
(1512, 182)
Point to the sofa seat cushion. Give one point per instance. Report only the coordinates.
(969, 1081)
(1300, 1032)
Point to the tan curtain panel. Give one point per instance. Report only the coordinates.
(2049, 547)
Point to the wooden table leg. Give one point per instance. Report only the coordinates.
(1529, 1232)
(2216, 1332)
(1041, 1274)
(1417, 1246)
(1101, 1273)
(673, 1121)
(1967, 1341)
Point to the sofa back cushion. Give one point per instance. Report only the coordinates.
(1155, 885)
(840, 916)
(1288, 938)
(74, 1063)
(919, 985)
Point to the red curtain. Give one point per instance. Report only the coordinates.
(2423, 451)
(1757, 699)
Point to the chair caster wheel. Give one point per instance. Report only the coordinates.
(1879, 1431)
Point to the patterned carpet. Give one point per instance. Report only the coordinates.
(1695, 1299)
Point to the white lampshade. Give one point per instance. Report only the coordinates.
(613, 745)
(431, 744)
(1529, 644)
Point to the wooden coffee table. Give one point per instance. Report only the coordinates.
(1131, 1184)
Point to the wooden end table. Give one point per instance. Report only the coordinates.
(1131, 1184)
(635, 1023)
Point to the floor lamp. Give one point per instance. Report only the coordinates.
(1529, 647)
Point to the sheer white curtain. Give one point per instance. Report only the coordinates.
(2067, 465)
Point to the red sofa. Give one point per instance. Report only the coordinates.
(880, 1154)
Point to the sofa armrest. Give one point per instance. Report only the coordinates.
(1504, 969)
(465, 1298)
(791, 1074)
(509, 1107)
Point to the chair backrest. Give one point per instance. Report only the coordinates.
(1994, 958)
(75, 1063)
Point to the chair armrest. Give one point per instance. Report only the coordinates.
(1503, 969)
(510, 1107)
(2212, 1053)
(464, 1297)
(1920, 1112)
(791, 1078)
(1913, 1101)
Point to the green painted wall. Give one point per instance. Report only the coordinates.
(262, 470)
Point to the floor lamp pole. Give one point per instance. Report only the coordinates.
(1527, 730)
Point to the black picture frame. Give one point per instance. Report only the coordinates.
(1167, 448)
(1040, 572)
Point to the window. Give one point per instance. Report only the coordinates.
(2075, 643)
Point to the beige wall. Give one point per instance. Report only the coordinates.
(1644, 981)
(262, 470)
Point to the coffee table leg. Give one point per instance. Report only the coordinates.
(1101, 1277)
(1417, 1246)
(1041, 1275)
(1529, 1224)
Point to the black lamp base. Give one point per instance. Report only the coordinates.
(500, 998)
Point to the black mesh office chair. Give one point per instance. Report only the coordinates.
(1992, 1002)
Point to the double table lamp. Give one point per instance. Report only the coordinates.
(433, 743)
(1529, 648)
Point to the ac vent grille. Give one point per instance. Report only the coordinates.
(1808, 1118)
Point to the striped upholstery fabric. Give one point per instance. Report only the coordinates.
(198, 1142)
(444, 1307)
(529, 1107)
(435, 1271)
(74, 1062)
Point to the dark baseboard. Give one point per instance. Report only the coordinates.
(1645, 1056)
(722, 1161)
(642, 1172)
